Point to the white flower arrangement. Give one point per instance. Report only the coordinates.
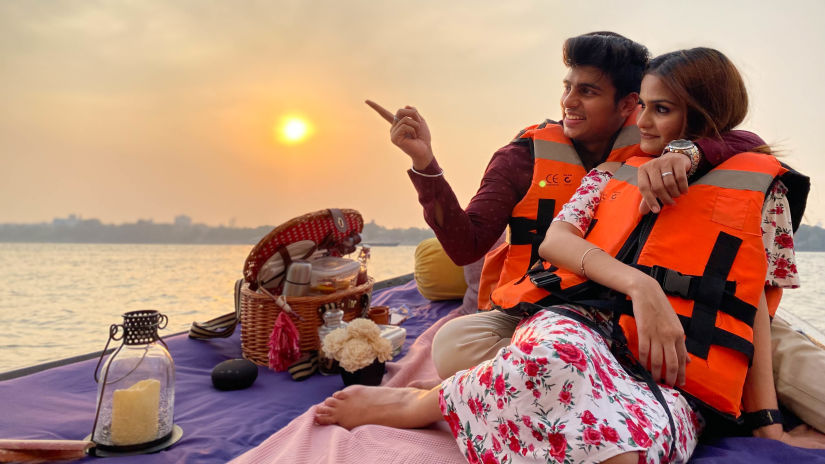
(357, 345)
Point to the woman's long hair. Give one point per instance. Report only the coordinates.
(715, 97)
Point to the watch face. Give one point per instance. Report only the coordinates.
(680, 144)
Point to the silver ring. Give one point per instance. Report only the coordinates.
(395, 119)
(667, 173)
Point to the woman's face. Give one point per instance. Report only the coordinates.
(662, 117)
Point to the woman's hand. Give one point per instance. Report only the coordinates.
(661, 336)
(654, 187)
(409, 132)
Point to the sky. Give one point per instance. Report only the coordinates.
(144, 109)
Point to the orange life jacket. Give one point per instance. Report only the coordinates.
(557, 173)
(707, 253)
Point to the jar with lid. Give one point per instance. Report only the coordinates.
(333, 319)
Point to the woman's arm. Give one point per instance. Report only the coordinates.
(661, 337)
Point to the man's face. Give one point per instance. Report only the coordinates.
(591, 115)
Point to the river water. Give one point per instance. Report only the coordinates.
(58, 300)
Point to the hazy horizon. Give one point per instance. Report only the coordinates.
(143, 109)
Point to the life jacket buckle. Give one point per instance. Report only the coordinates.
(545, 279)
(674, 282)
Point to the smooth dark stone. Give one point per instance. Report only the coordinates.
(234, 374)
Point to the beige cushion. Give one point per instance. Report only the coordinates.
(798, 367)
(437, 276)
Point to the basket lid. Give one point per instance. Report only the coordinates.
(335, 230)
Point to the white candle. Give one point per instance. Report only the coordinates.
(135, 413)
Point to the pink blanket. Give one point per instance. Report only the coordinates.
(303, 441)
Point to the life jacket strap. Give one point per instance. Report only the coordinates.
(525, 231)
(687, 286)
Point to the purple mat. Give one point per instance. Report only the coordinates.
(217, 426)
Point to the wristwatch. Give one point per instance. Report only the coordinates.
(687, 148)
(762, 418)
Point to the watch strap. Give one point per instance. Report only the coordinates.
(762, 418)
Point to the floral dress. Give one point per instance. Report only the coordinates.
(557, 394)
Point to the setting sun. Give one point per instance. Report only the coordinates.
(293, 130)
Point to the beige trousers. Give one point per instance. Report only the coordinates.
(798, 364)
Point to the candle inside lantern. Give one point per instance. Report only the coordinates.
(135, 413)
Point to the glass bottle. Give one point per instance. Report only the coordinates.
(363, 257)
(136, 386)
(333, 319)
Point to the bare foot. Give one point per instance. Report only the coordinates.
(406, 408)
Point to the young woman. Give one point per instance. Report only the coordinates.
(579, 397)
(558, 392)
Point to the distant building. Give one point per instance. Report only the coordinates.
(183, 220)
(70, 221)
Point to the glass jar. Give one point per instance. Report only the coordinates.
(136, 386)
(333, 319)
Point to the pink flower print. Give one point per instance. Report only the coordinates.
(571, 355)
(588, 418)
(496, 446)
(514, 444)
(537, 435)
(500, 403)
(488, 457)
(607, 381)
(486, 377)
(592, 436)
(526, 346)
(531, 368)
(454, 422)
(639, 436)
(564, 396)
(499, 385)
(558, 446)
(784, 240)
(636, 410)
(542, 361)
(529, 384)
(536, 393)
(502, 430)
(609, 433)
(780, 273)
(527, 421)
(472, 456)
(513, 427)
(781, 263)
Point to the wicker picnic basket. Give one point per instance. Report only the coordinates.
(335, 231)
(259, 311)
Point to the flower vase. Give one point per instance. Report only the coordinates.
(369, 375)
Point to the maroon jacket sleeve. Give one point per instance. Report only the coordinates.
(468, 234)
(715, 151)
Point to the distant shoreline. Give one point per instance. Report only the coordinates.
(184, 232)
(181, 232)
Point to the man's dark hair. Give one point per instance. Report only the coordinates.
(621, 59)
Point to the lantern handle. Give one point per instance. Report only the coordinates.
(113, 329)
